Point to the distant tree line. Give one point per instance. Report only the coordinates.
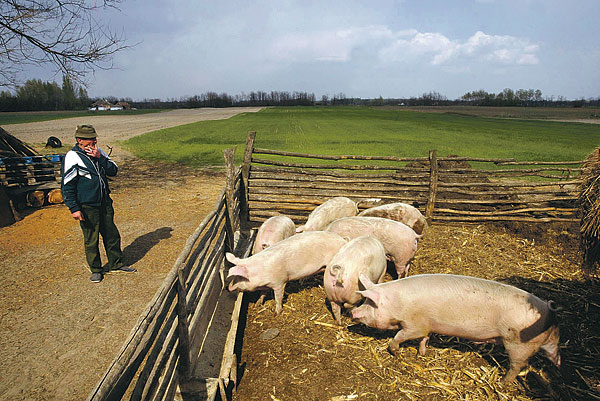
(521, 97)
(508, 97)
(213, 99)
(36, 95)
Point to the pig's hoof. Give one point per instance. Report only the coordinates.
(394, 350)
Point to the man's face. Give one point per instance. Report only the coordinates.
(87, 143)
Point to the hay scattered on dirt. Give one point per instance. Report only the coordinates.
(313, 359)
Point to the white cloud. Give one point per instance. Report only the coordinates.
(441, 50)
(327, 45)
(403, 46)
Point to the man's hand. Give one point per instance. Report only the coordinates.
(78, 215)
(92, 150)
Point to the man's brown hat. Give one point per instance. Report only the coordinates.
(85, 131)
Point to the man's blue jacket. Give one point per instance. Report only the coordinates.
(84, 179)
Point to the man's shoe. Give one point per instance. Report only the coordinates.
(96, 277)
(124, 269)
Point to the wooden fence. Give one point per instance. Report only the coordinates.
(159, 358)
(448, 188)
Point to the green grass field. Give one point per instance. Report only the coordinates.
(370, 131)
(7, 118)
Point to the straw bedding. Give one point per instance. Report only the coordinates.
(303, 355)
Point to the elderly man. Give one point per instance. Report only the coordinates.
(86, 194)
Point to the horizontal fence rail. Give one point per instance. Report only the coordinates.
(448, 188)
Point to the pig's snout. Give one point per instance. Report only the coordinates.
(232, 282)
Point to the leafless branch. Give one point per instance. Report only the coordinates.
(64, 34)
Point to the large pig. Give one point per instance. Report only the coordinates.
(296, 257)
(398, 239)
(273, 230)
(327, 212)
(402, 212)
(361, 255)
(468, 307)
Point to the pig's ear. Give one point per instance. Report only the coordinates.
(300, 229)
(238, 271)
(231, 258)
(365, 281)
(371, 295)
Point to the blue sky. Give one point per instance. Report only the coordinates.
(374, 48)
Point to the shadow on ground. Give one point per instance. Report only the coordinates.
(135, 251)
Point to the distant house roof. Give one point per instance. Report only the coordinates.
(101, 103)
(106, 105)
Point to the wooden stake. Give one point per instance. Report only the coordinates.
(433, 183)
(244, 217)
(183, 346)
(232, 223)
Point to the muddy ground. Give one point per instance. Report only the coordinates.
(58, 330)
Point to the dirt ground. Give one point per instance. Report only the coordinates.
(114, 128)
(58, 330)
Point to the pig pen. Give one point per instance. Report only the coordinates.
(488, 222)
(197, 341)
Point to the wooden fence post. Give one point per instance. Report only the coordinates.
(183, 347)
(433, 183)
(232, 223)
(244, 210)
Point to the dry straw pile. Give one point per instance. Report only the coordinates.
(589, 204)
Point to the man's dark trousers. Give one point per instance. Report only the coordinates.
(99, 220)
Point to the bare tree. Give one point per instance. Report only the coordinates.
(63, 34)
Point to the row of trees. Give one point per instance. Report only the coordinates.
(508, 97)
(36, 95)
(213, 99)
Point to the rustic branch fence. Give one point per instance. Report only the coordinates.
(159, 359)
(443, 188)
(160, 356)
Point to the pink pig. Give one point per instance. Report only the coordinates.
(273, 230)
(361, 255)
(296, 257)
(402, 212)
(398, 239)
(327, 212)
(468, 307)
